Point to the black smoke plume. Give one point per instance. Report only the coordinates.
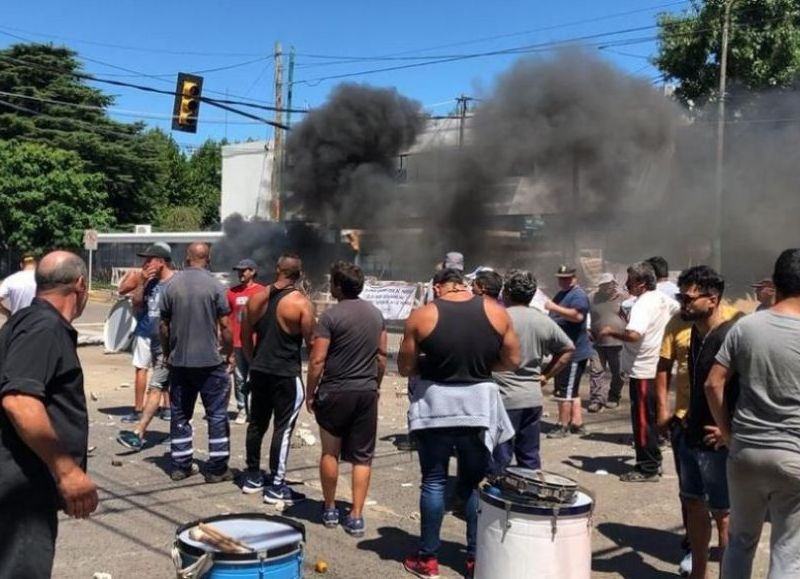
(343, 157)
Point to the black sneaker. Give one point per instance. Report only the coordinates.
(213, 478)
(180, 474)
(578, 430)
(558, 432)
(595, 407)
(282, 494)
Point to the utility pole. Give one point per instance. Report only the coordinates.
(462, 114)
(277, 139)
(716, 249)
(289, 88)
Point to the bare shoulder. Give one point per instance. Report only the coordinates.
(497, 314)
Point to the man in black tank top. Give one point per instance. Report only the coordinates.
(281, 317)
(463, 338)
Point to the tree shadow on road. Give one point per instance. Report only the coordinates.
(623, 439)
(395, 544)
(116, 410)
(631, 542)
(613, 465)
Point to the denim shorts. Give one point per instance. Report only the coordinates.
(703, 475)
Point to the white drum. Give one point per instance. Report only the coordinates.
(518, 540)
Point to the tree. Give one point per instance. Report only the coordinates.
(180, 218)
(764, 47)
(48, 197)
(44, 78)
(205, 180)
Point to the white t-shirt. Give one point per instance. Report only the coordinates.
(667, 288)
(649, 316)
(19, 289)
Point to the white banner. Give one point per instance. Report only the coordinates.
(394, 299)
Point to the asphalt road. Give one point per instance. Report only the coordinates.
(635, 527)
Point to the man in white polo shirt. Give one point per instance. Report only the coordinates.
(642, 344)
(18, 289)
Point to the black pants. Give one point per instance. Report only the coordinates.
(282, 397)
(27, 540)
(643, 420)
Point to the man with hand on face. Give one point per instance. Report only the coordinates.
(44, 426)
(238, 297)
(157, 272)
(143, 288)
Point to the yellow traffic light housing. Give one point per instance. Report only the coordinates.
(187, 103)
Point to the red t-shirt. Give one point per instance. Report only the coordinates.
(237, 298)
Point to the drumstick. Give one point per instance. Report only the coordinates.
(211, 536)
(219, 535)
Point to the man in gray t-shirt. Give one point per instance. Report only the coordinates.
(194, 311)
(763, 351)
(345, 370)
(539, 336)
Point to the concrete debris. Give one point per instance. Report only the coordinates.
(100, 575)
(95, 397)
(116, 462)
(414, 516)
(305, 436)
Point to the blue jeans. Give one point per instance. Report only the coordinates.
(240, 371)
(525, 444)
(703, 475)
(435, 447)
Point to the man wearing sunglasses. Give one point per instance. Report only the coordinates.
(702, 454)
(642, 342)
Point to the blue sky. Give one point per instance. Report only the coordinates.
(155, 40)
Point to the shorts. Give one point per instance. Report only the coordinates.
(142, 354)
(568, 381)
(703, 475)
(352, 417)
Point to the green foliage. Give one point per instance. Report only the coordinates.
(48, 198)
(764, 46)
(143, 172)
(180, 218)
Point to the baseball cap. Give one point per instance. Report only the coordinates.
(160, 249)
(454, 260)
(605, 278)
(246, 264)
(764, 282)
(566, 271)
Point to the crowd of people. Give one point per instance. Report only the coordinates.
(477, 357)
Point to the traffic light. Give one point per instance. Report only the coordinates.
(187, 103)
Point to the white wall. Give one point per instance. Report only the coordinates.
(246, 179)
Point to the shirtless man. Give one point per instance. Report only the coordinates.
(281, 317)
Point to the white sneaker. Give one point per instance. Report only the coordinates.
(685, 568)
(241, 418)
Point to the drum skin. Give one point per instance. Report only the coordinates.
(518, 541)
(278, 542)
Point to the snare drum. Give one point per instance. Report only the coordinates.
(538, 484)
(277, 544)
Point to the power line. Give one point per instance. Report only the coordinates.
(93, 78)
(400, 55)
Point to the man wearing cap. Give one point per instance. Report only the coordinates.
(156, 273)
(765, 293)
(19, 288)
(605, 377)
(569, 308)
(144, 289)
(238, 297)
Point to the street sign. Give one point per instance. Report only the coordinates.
(90, 239)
